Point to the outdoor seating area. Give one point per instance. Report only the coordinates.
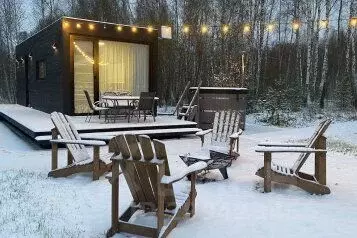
(150, 189)
(114, 105)
(178, 119)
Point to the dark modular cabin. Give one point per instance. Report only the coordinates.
(55, 65)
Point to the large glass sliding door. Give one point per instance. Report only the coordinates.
(123, 67)
(107, 66)
(83, 74)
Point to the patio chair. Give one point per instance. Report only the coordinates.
(95, 107)
(315, 184)
(151, 185)
(78, 159)
(223, 145)
(145, 105)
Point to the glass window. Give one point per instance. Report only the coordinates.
(123, 67)
(41, 69)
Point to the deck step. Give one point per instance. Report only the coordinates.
(153, 133)
(37, 125)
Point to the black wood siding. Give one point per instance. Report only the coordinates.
(45, 95)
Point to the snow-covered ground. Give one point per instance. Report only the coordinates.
(32, 205)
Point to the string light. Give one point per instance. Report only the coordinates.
(87, 57)
(134, 29)
(246, 29)
(78, 25)
(150, 29)
(270, 27)
(54, 46)
(353, 22)
(186, 29)
(91, 27)
(65, 24)
(119, 28)
(204, 29)
(296, 25)
(323, 24)
(225, 28)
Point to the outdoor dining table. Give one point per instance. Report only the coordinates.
(124, 98)
(129, 99)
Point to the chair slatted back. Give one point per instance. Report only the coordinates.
(146, 101)
(67, 131)
(90, 103)
(320, 130)
(140, 170)
(225, 124)
(161, 154)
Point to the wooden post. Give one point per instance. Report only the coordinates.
(96, 151)
(161, 199)
(69, 158)
(267, 172)
(115, 196)
(193, 194)
(320, 161)
(54, 146)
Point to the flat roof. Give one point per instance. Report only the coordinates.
(81, 19)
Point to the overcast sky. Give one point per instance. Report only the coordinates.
(29, 21)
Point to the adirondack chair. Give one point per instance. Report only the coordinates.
(225, 132)
(78, 159)
(223, 145)
(150, 183)
(315, 184)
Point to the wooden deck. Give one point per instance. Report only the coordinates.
(37, 125)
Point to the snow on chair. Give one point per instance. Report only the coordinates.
(223, 145)
(78, 159)
(225, 132)
(315, 184)
(150, 183)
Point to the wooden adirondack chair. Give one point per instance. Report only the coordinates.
(316, 183)
(78, 159)
(150, 182)
(225, 132)
(224, 143)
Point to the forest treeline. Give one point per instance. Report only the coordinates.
(290, 53)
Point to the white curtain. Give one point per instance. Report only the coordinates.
(123, 67)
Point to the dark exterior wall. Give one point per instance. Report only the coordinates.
(44, 95)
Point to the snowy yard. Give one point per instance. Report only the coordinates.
(32, 205)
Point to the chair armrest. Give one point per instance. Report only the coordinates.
(272, 144)
(101, 103)
(289, 150)
(236, 134)
(79, 142)
(205, 132)
(189, 170)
